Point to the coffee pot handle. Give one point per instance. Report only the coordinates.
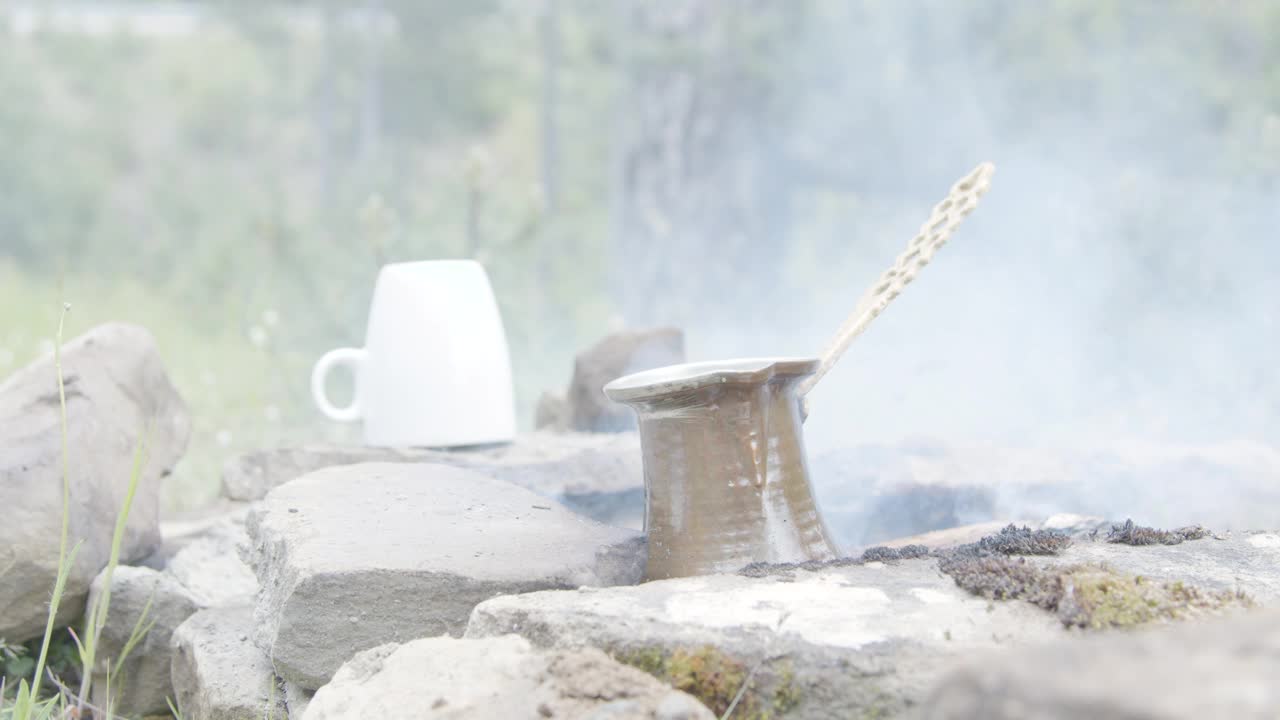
(351, 357)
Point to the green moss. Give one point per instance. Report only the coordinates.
(650, 659)
(1106, 599)
(786, 696)
(1082, 596)
(1086, 596)
(715, 678)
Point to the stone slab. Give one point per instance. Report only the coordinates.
(852, 639)
(356, 556)
(600, 475)
(501, 677)
(859, 639)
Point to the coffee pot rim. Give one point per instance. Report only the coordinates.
(692, 376)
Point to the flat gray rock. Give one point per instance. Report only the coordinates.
(1248, 562)
(353, 557)
(1223, 668)
(863, 638)
(845, 641)
(218, 673)
(116, 389)
(501, 677)
(599, 475)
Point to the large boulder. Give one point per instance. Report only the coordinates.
(598, 475)
(501, 677)
(206, 572)
(118, 398)
(1216, 669)
(218, 673)
(356, 556)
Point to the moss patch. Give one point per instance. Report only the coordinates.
(1131, 534)
(1086, 596)
(715, 678)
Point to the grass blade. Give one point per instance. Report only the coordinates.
(98, 613)
(64, 562)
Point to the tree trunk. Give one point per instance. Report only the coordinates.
(697, 237)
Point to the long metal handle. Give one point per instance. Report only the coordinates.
(943, 221)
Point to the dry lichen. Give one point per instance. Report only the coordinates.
(1014, 540)
(999, 577)
(884, 554)
(715, 679)
(1131, 534)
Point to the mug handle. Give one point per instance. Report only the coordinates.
(350, 357)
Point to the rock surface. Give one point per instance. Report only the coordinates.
(211, 568)
(865, 638)
(599, 475)
(206, 572)
(851, 640)
(500, 677)
(1246, 562)
(217, 671)
(141, 685)
(614, 356)
(117, 392)
(551, 413)
(1224, 668)
(353, 557)
(181, 529)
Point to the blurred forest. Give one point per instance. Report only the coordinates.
(232, 174)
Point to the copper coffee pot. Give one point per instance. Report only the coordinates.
(726, 479)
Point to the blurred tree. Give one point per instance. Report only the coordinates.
(704, 101)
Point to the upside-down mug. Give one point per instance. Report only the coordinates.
(434, 370)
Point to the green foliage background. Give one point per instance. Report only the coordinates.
(224, 189)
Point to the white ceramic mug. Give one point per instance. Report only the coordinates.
(435, 369)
